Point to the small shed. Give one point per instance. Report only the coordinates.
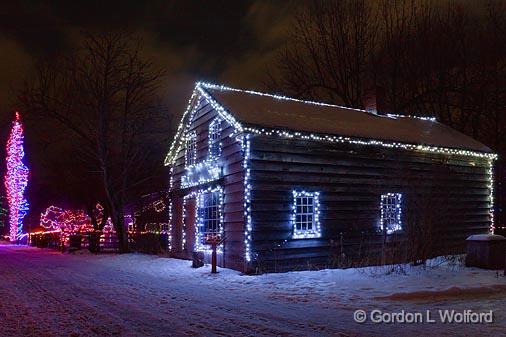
(486, 251)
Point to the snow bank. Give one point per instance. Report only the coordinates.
(486, 237)
(457, 292)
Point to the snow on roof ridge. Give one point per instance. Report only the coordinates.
(222, 87)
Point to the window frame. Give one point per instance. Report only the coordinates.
(190, 149)
(200, 245)
(214, 138)
(300, 208)
(391, 212)
(206, 209)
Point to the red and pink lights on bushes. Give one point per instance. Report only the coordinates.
(56, 219)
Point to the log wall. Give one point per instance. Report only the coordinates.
(450, 194)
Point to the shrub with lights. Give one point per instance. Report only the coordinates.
(73, 222)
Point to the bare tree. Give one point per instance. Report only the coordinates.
(445, 59)
(104, 93)
(330, 51)
(430, 58)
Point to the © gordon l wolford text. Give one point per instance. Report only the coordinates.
(447, 316)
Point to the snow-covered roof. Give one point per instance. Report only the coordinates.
(253, 111)
(269, 111)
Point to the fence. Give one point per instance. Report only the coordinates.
(108, 242)
(146, 242)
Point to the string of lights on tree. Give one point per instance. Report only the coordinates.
(16, 180)
(67, 221)
(70, 222)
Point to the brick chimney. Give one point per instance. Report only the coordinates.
(374, 100)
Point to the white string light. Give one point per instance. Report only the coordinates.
(199, 245)
(238, 127)
(246, 145)
(423, 118)
(171, 184)
(384, 203)
(170, 226)
(193, 194)
(315, 231)
(181, 129)
(214, 139)
(201, 173)
(243, 132)
(491, 195)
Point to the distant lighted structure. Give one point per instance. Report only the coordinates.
(3, 213)
(16, 180)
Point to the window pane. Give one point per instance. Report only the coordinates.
(305, 217)
(391, 212)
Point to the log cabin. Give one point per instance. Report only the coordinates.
(288, 184)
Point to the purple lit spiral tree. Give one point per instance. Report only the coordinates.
(16, 180)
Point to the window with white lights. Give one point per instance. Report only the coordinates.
(215, 138)
(210, 213)
(306, 215)
(391, 212)
(191, 149)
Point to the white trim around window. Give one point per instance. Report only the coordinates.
(190, 157)
(391, 213)
(214, 138)
(306, 215)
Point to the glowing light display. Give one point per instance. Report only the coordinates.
(491, 195)
(246, 145)
(16, 180)
(201, 173)
(72, 221)
(67, 221)
(185, 218)
(306, 215)
(194, 175)
(391, 212)
(214, 138)
(238, 127)
(200, 221)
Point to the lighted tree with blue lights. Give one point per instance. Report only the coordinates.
(16, 180)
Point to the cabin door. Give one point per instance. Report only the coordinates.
(190, 220)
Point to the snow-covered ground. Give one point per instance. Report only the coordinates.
(45, 293)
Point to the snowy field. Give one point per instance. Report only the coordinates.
(45, 293)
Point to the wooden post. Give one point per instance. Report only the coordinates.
(213, 240)
(214, 244)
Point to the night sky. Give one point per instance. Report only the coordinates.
(222, 41)
(231, 42)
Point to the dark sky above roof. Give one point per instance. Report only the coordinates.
(219, 41)
(285, 114)
(230, 42)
